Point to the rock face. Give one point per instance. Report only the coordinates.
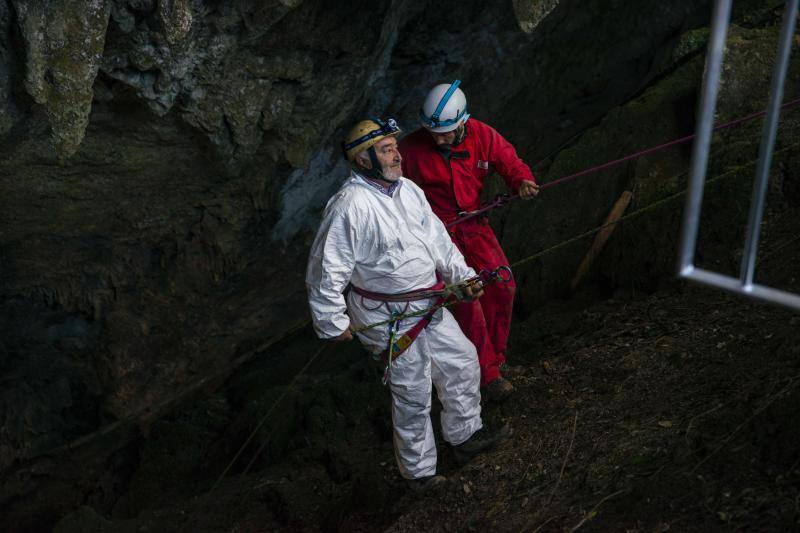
(644, 253)
(165, 163)
(531, 12)
(63, 46)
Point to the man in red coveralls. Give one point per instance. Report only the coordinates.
(449, 158)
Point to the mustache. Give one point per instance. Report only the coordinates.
(393, 168)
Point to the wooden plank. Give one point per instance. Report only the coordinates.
(602, 237)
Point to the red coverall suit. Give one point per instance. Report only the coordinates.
(454, 184)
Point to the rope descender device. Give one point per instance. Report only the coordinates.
(502, 273)
(484, 277)
(500, 200)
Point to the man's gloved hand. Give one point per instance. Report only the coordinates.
(473, 291)
(528, 190)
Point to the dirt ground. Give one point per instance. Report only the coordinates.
(674, 411)
(666, 413)
(677, 410)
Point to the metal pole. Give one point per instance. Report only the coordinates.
(694, 197)
(755, 291)
(768, 144)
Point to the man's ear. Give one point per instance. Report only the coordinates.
(363, 163)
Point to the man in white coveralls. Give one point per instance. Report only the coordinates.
(379, 234)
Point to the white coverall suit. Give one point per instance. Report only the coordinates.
(395, 244)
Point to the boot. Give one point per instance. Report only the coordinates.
(482, 440)
(426, 483)
(498, 390)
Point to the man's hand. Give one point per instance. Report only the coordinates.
(345, 336)
(528, 190)
(473, 291)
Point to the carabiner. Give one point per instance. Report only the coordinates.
(501, 199)
(504, 269)
(394, 327)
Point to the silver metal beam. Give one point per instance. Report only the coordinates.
(768, 143)
(702, 141)
(734, 285)
(694, 198)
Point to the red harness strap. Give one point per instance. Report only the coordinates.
(401, 345)
(410, 296)
(440, 291)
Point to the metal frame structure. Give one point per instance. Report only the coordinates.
(691, 216)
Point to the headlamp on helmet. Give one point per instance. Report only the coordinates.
(366, 133)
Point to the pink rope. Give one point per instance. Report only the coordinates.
(660, 147)
(488, 207)
(609, 164)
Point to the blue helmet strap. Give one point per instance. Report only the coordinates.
(434, 121)
(443, 102)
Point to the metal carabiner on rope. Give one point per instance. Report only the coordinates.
(484, 277)
(394, 327)
(502, 273)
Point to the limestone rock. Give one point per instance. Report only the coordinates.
(64, 44)
(8, 112)
(531, 12)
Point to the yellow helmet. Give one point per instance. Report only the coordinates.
(365, 134)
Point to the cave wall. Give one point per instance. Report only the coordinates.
(164, 164)
(642, 254)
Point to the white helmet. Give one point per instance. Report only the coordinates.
(445, 108)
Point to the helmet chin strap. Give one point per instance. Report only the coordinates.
(376, 172)
(461, 132)
(373, 158)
